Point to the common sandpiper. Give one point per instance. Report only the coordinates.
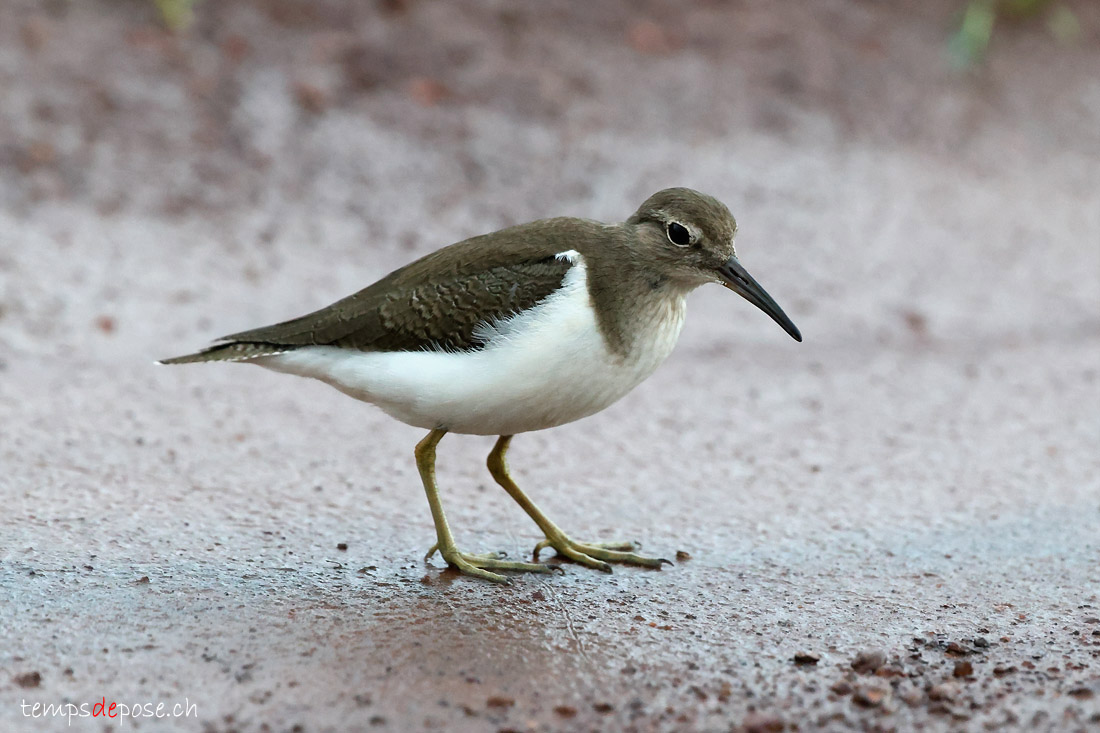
(522, 329)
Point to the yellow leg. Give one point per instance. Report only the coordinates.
(469, 564)
(593, 554)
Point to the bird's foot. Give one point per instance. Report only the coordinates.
(470, 556)
(598, 554)
(477, 564)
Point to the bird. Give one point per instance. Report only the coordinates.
(522, 329)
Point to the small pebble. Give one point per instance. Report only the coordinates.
(868, 696)
(956, 649)
(869, 660)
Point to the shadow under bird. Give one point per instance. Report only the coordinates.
(522, 329)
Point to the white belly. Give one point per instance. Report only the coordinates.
(545, 367)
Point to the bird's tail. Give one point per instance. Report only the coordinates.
(234, 351)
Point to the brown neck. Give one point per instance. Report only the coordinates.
(628, 297)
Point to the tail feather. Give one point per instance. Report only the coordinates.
(235, 351)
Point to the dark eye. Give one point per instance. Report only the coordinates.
(678, 234)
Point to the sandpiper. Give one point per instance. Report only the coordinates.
(522, 329)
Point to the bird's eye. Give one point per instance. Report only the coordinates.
(678, 234)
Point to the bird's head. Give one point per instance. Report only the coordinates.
(687, 237)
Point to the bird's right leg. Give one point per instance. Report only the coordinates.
(593, 554)
(468, 564)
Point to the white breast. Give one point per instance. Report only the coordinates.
(544, 367)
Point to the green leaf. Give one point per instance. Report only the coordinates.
(177, 14)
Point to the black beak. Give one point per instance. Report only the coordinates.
(736, 278)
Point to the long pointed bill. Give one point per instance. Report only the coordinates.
(736, 278)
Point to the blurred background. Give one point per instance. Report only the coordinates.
(916, 183)
(368, 133)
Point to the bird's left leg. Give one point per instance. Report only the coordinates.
(593, 554)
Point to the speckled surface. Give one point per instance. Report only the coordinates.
(914, 489)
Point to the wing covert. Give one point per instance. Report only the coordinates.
(407, 311)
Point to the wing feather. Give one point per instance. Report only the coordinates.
(439, 300)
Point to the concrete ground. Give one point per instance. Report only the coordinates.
(892, 526)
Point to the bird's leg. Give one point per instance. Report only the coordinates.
(593, 554)
(474, 565)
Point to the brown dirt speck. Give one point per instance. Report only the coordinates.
(963, 669)
(28, 680)
(1081, 693)
(309, 97)
(868, 660)
(917, 323)
(106, 324)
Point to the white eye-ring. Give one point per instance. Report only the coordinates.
(678, 234)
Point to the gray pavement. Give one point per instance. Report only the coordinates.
(893, 525)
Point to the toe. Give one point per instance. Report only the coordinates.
(583, 558)
(468, 568)
(629, 558)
